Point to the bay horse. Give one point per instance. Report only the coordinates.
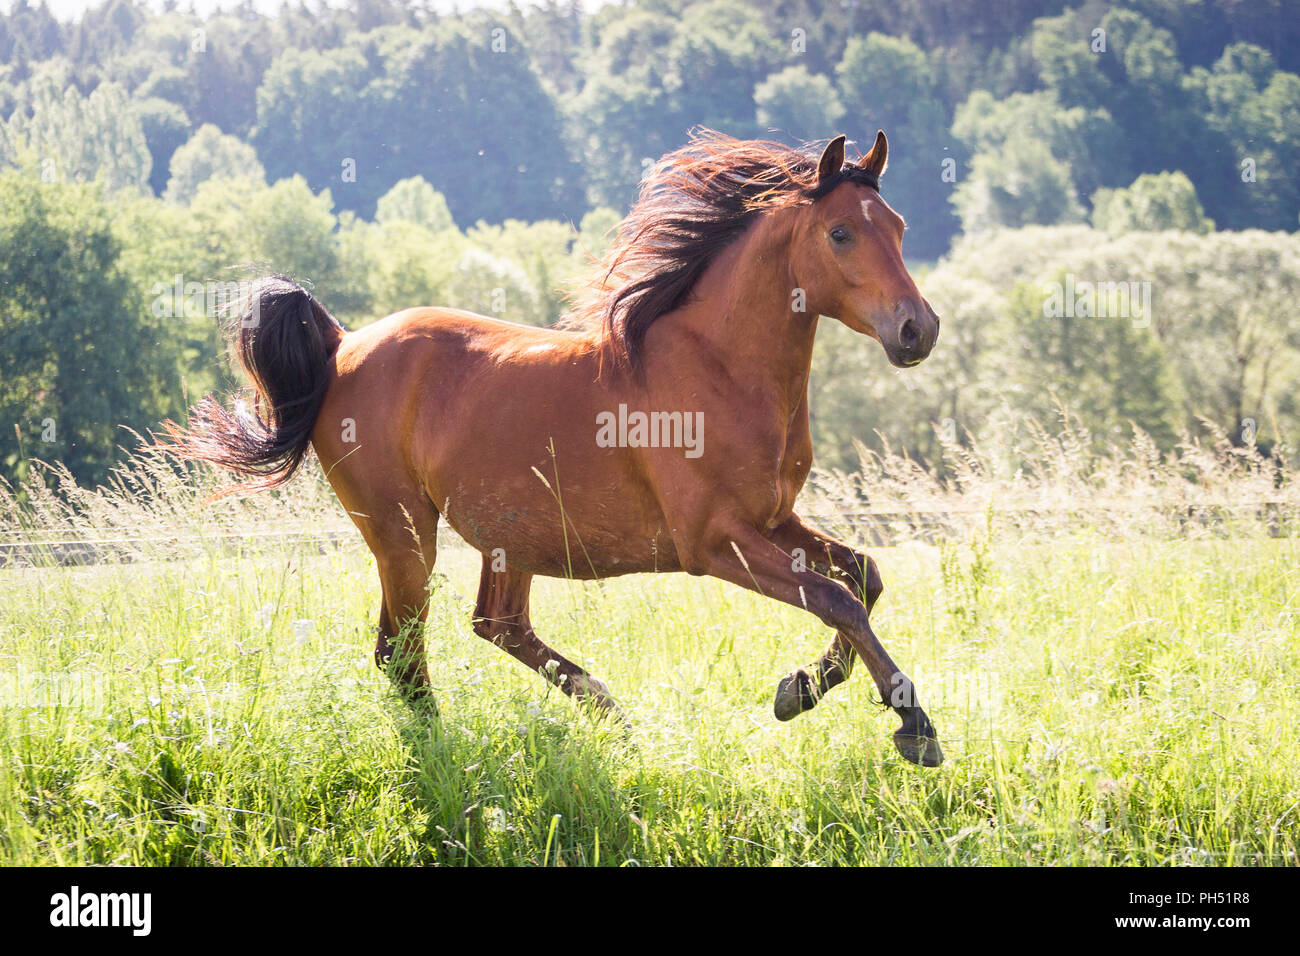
(663, 427)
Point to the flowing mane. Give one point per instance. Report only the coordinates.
(692, 205)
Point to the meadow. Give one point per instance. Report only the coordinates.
(1117, 689)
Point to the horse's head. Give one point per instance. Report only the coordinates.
(849, 259)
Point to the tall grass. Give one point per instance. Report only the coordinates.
(1052, 482)
(1116, 690)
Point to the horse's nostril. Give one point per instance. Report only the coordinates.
(909, 334)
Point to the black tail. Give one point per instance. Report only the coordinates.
(282, 339)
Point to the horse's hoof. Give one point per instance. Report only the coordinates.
(606, 708)
(922, 749)
(794, 695)
(422, 701)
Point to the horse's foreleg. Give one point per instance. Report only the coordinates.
(738, 553)
(801, 689)
(501, 616)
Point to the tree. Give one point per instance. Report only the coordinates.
(460, 106)
(1224, 309)
(410, 266)
(718, 54)
(210, 154)
(800, 105)
(414, 200)
(29, 34)
(1016, 185)
(247, 226)
(1252, 114)
(596, 231)
(545, 251)
(1087, 139)
(80, 352)
(887, 83)
(1109, 369)
(492, 285)
(652, 78)
(79, 138)
(1155, 202)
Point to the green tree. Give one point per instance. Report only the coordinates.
(801, 105)
(459, 104)
(493, 285)
(1108, 369)
(651, 78)
(718, 54)
(1155, 202)
(1252, 112)
(414, 200)
(887, 83)
(1086, 139)
(411, 266)
(546, 253)
(80, 352)
(281, 228)
(79, 138)
(210, 154)
(596, 231)
(1017, 185)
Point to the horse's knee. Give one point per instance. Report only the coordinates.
(838, 607)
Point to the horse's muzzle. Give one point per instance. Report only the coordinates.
(917, 329)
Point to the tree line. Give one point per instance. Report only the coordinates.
(398, 157)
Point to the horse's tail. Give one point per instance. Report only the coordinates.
(282, 339)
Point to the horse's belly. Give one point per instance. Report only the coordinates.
(521, 538)
(582, 532)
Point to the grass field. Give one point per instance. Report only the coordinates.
(1101, 699)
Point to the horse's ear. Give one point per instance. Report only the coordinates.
(878, 158)
(832, 159)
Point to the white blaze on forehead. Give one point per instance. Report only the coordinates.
(866, 209)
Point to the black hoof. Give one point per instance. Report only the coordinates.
(794, 695)
(919, 742)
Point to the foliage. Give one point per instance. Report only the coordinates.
(394, 159)
(210, 154)
(81, 354)
(79, 138)
(801, 105)
(414, 200)
(1020, 184)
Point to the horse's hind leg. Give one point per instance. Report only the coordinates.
(405, 545)
(501, 616)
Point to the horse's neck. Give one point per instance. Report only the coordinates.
(743, 312)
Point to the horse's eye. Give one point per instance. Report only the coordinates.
(839, 235)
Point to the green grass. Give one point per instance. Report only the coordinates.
(1099, 701)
